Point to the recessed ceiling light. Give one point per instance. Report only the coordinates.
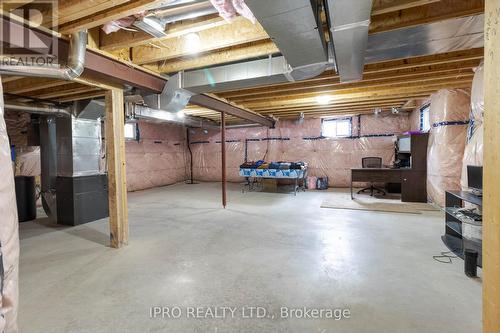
(323, 99)
(192, 42)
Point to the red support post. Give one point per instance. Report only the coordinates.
(223, 147)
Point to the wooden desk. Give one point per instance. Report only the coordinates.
(413, 183)
(378, 175)
(413, 180)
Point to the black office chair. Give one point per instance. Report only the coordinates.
(374, 163)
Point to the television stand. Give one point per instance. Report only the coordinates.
(462, 232)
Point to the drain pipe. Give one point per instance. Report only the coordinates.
(37, 109)
(73, 69)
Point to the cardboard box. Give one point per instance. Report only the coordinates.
(269, 185)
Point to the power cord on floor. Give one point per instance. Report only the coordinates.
(445, 258)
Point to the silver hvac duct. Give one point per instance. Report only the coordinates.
(295, 27)
(205, 8)
(444, 36)
(184, 11)
(440, 37)
(136, 111)
(89, 109)
(73, 69)
(156, 22)
(42, 109)
(238, 76)
(174, 97)
(349, 24)
(247, 74)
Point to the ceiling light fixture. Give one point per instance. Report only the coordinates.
(192, 42)
(323, 99)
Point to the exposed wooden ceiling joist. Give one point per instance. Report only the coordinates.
(126, 39)
(433, 12)
(227, 55)
(404, 68)
(9, 5)
(98, 18)
(72, 10)
(79, 97)
(371, 82)
(389, 6)
(26, 85)
(386, 84)
(239, 32)
(376, 84)
(361, 94)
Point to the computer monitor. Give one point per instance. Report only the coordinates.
(475, 178)
(404, 144)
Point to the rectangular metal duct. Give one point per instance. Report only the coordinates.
(135, 111)
(440, 37)
(152, 25)
(173, 97)
(350, 21)
(237, 76)
(89, 109)
(445, 36)
(295, 28)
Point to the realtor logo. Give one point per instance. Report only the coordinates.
(25, 33)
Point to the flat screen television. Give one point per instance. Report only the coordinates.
(475, 178)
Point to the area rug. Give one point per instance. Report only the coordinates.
(340, 201)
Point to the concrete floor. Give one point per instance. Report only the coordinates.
(268, 250)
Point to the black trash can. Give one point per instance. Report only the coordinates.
(26, 198)
(470, 262)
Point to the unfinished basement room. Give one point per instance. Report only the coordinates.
(253, 166)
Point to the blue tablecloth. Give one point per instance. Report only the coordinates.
(272, 173)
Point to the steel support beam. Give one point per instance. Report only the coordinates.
(224, 107)
(97, 65)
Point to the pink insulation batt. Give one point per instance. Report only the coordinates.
(158, 159)
(9, 235)
(446, 142)
(291, 141)
(473, 154)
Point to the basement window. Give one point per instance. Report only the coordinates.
(425, 124)
(336, 128)
(131, 131)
